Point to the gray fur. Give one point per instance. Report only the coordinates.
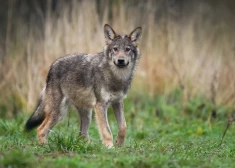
(92, 81)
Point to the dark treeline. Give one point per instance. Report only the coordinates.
(14, 12)
(25, 9)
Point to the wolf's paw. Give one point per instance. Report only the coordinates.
(119, 142)
(108, 144)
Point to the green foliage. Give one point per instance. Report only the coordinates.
(161, 133)
(17, 158)
(65, 143)
(197, 106)
(12, 105)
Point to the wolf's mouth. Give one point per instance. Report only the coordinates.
(121, 65)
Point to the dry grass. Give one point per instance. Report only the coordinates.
(192, 52)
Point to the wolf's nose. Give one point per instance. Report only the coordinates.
(121, 61)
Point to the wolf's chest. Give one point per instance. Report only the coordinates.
(110, 96)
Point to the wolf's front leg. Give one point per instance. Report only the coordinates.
(102, 121)
(119, 114)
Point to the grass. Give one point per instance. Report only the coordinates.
(161, 133)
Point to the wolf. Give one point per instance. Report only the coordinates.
(90, 82)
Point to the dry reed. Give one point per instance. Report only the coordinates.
(191, 52)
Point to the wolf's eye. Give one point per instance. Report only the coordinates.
(115, 49)
(127, 49)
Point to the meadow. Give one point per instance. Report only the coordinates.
(180, 109)
(159, 135)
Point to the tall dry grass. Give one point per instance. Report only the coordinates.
(193, 50)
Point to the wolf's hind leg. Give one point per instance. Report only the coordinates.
(54, 113)
(44, 128)
(85, 120)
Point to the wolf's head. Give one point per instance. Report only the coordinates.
(122, 50)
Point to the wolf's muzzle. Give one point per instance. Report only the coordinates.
(121, 63)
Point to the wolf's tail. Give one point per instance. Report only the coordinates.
(37, 117)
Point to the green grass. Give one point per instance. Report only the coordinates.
(161, 133)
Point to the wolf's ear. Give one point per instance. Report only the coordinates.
(135, 34)
(109, 34)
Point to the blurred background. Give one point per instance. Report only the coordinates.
(187, 46)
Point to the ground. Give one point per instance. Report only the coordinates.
(161, 133)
